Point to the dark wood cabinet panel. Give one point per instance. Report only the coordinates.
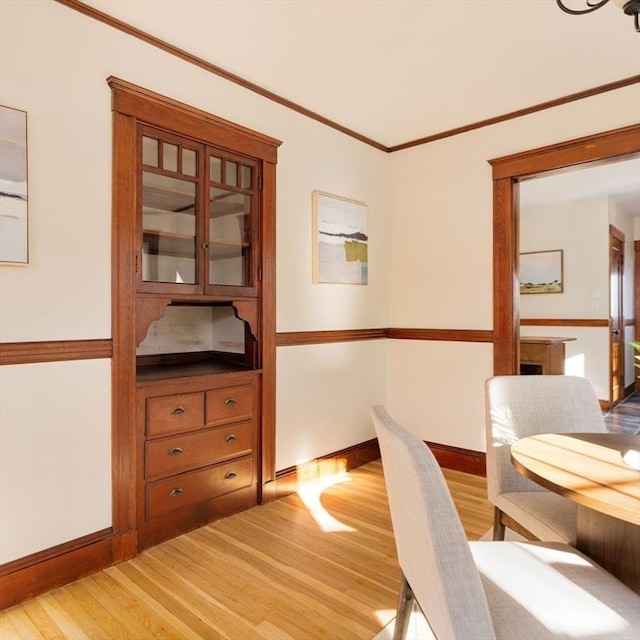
(172, 414)
(193, 450)
(193, 226)
(189, 489)
(229, 404)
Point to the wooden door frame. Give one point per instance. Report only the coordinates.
(507, 171)
(636, 304)
(616, 234)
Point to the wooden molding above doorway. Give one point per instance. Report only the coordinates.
(507, 172)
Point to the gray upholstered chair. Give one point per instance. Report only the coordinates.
(484, 590)
(519, 406)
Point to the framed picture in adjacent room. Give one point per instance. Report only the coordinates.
(541, 272)
(14, 227)
(340, 240)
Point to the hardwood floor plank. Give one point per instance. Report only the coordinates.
(161, 600)
(65, 599)
(136, 618)
(225, 612)
(41, 621)
(274, 572)
(93, 610)
(61, 616)
(20, 625)
(8, 630)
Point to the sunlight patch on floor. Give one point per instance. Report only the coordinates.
(315, 477)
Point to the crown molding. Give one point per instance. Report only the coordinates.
(251, 86)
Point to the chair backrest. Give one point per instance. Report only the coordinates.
(433, 551)
(520, 406)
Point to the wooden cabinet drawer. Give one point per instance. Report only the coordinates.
(230, 404)
(190, 451)
(172, 414)
(188, 489)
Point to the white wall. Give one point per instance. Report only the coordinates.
(441, 258)
(581, 229)
(53, 64)
(326, 392)
(55, 446)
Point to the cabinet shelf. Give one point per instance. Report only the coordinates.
(155, 372)
(168, 199)
(181, 245)
(158, 199)
(178, 245)
(225, 248)
(222, 210)
(157, 211)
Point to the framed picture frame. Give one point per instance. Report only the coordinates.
(14, 219)
(340, 240)
(541, 272)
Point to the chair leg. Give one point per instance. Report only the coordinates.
(498, 527)
(403, 615)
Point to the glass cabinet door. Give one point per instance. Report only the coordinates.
(169, 196)
(232, 215)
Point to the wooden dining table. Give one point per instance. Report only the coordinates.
(597, 471)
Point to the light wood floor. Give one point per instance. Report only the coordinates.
(268, 573)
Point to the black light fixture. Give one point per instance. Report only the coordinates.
(630, 7)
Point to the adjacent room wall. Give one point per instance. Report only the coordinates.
(581, 229)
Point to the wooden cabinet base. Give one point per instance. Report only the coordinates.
(175, 523)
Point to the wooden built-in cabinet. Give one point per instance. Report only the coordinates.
(199, 216)
(194, 228)
(200, 437)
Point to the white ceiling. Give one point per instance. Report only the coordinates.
(398, 70)
(619, 179)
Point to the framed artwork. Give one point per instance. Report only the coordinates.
(340, 240)
(541, 272)
(14, 233)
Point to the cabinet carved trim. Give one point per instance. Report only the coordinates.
(148, 310)
(247, 311)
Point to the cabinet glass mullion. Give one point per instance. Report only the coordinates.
(170, 198)
(231, 204)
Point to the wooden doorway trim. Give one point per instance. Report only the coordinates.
(507, 171)
(616, 316)
(636, 303)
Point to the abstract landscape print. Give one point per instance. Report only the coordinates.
(541, 272)
(341, 240)
(13, 186)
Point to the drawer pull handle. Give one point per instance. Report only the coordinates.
(231, 475)
(178, 411)
(176, 493)
(230, 402)
(231, 438)
(176, 451)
